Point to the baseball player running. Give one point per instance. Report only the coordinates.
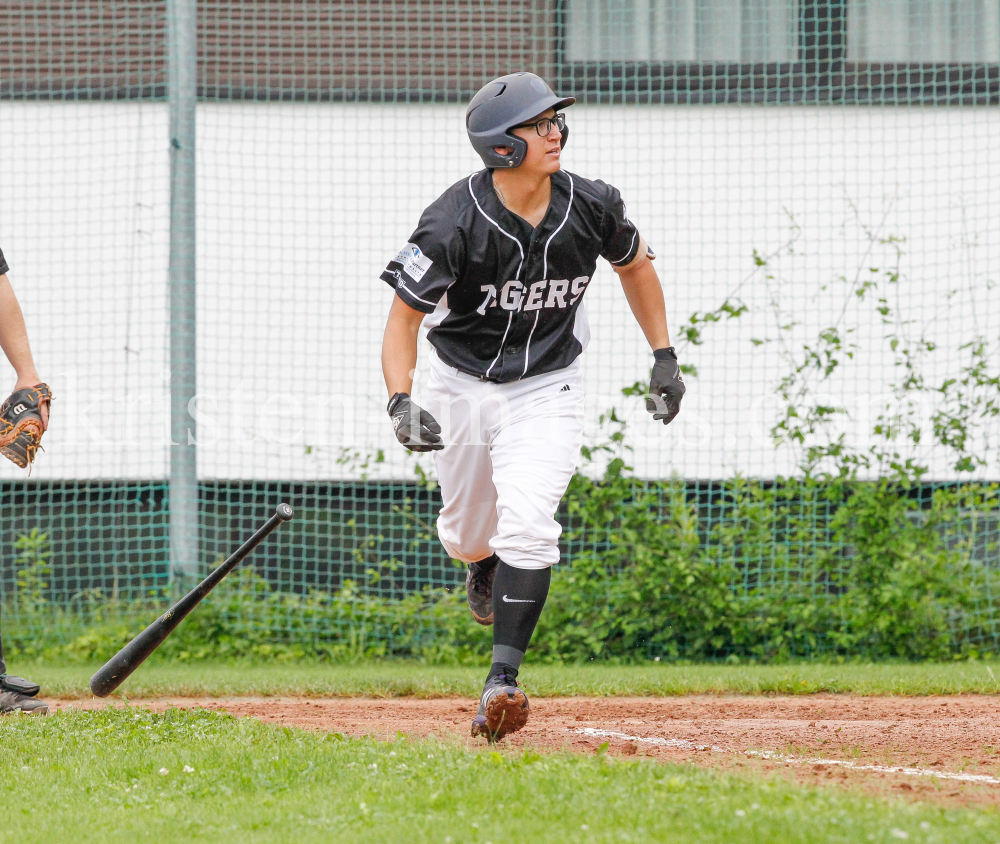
(23, 418)
(497, 270)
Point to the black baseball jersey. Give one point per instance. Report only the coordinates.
(505, 300)
(3, 263)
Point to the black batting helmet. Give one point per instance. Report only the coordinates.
(503, 103)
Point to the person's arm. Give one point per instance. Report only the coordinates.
(645, 298)
(415, 428)
(14, 342)
(399, 346)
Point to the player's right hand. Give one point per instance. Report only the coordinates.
(415, 428)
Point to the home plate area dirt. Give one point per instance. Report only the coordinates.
(932, 748)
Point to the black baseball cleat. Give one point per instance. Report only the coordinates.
(18, 695)
(503, 708)
(479, 588)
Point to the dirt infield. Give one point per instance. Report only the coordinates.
(941, 748)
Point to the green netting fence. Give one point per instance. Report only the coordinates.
(197, 199)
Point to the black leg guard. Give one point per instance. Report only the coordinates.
(518, 598)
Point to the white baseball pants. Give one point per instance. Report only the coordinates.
(510, 452)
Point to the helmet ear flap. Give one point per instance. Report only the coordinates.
(520, 147)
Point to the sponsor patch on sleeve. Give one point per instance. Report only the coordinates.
(415, 262)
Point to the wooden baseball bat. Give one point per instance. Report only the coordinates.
(117, 669)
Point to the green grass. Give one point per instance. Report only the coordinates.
(129, 775)
(383, 679)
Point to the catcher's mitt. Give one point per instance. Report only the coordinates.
(21, 426)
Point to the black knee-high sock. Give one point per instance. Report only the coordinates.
(518, 598)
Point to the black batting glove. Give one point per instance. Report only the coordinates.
(666, 386)
(415, 428)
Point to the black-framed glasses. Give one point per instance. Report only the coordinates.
(544, 126)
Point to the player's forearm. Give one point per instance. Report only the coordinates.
(399, 347)
(645, 298)
(399, 360)
(14, 336)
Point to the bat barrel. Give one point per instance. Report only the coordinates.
(117, 669)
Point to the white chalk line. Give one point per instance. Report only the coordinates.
(683, 744)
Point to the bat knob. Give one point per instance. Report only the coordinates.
(284, 512)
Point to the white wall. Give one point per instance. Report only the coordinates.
(301, 205)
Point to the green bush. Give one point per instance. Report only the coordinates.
(798, 569)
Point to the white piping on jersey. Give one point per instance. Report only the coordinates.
(527, 346)
(545, 272)
(495, 223)
(415, 296)
(510, 317)
(545, 253)
(629, 252)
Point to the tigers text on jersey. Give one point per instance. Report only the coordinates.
(505, 300)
